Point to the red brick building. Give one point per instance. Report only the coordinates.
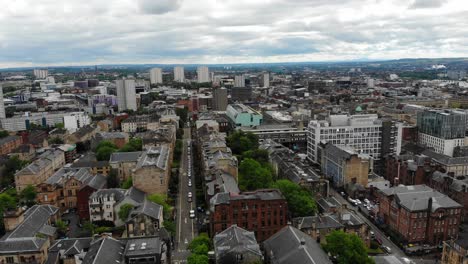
(454, 188)
(263, 212)
(8, 144)
(408, 170)
(419, 214)
(83, 194)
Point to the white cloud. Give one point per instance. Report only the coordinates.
(52, 32)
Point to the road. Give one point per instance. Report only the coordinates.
(185, 227)
(396, 251)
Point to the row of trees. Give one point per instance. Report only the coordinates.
(256, 172)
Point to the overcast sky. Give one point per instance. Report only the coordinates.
(73, 32)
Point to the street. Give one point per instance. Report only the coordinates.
(185, 226)
(396, 251)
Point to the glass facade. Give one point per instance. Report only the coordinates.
(442, 124)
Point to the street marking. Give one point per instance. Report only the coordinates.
(186, 241)
(185, 220)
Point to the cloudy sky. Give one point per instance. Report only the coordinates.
(74, 32)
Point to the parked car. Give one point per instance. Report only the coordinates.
(189, 183)
(192, 214)
(190, 194)
(387, 249)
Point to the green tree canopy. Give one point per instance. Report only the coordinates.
(104, 153)
(197, 259)
(28, 195)
(3, 133)
(300, 201)
(253, 176)
(12, 165)
(124, 211)
(106, 143)
(347, 248)
(240, 142)
(201, 239)
(61, 226)
(135, 144)
(260, 155)
(127, 183)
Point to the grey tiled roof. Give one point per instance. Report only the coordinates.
(64, 174)
(125, 156)
(157, 156)
(104, 251)
(23, 238)
(235, 240)
(316, 222)
(143, 246)
(136, 194)
(285, 247)
(96, 182)
(148, 208)
(416, 198)
(117, 193)
(8, 139)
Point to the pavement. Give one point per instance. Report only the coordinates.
(185, 227)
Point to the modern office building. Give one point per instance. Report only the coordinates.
(2, 104)
(243, 116)
(442, 130)
(156, 76)
(239, 81)
(41, 73)
(362, 132)
(220, 99)
(203, 74)
(179, 74)
(126, 95)
(266, 80)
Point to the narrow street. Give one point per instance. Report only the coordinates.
(185, 226)
(396, 251)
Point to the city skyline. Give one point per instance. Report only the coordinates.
(213, 32)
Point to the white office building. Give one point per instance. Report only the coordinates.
(126, 95)
(362, 132)
(203, 74)
(2, 104)
(156, 76)
(179, 75)
(239, 81)
(266, 80)
(71, 120)
(41, 73)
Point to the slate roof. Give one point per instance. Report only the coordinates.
(235, 240)
(416, 198)
(125, 156)
(23, 238)
(96, 182)
(117, 193)
(156, 156)
(148, 208)
(143, 246)
(105, 250)
(290, 245)
(316, 222)
(71, 245)
(64, 174)
(136, 194)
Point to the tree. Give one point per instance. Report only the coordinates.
(347, 248)
(182, 113)
(260, 155)
(300, 201)
(253, 176)
(28, 195)
(106, 143)
(197, 259)
(4, 133)
(124, 211)
(104, 153)
(127, 183)
(240, 142)
(161, 200)
(170, 226)
(135, 144)
(90, 227)
(12, 165)
(61, 226)
(201, 239)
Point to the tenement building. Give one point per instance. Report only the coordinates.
(420, 214)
